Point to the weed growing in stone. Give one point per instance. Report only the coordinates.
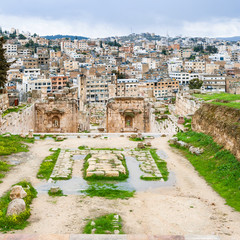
(59, 193)
(47, 165)
(108, 224)
(218, 166)
(109, 191)
(16, 222)
(136, 139)
(161, 164)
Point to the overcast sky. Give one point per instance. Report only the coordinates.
(102, 18)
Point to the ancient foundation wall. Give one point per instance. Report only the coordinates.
(220, 122)
(4, 102)
(18, 123)
(186, 104)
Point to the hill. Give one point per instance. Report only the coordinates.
(53, 37)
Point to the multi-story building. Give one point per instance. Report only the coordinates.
(30, 63)
(11, 49)
(127, 87)
(183, 77)
(59, 82)
(195, 66)
(41, 84)
(213, 83)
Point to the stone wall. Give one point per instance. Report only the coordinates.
(18, 122)
(128, 114)
(186, 104)
(4, 102)
(56, 116)
(220, 122)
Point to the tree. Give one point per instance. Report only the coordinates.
(198, 48)
(4, 65)
(195, 83)
(21, 37)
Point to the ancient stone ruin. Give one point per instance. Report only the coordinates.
(128, 114)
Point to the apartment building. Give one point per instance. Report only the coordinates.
(40, 84)
(11, 50)
(163, 88)
(70, 65)
(213, 83)
(195, 66)
(183, 77)
(59, 82)
(32, 72)
(127, 87)
(30, 63)
(97, 88)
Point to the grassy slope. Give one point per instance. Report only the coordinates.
(229, 98)
(218, 166)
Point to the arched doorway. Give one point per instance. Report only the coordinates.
(128, 121)
(56, 122)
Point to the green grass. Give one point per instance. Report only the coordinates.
(218, 166)
(82, 147)
(107, 149)
(16, 222)
(136, 139)
(109, 191)
(225, 99)
(15, 109)
(13, 144)
(161, 164)
(47, 165)
(104, 225)
(59, 193)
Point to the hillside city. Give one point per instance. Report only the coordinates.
(132, 137)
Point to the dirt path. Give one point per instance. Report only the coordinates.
(191, 207)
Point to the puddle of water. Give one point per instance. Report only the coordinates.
(162, 154)
(76, 184)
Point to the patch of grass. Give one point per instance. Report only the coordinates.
(161, 164)
(82, 147)
(150, 178)
(225, 99)
(16, 222)
(47, 165)
(4, 167)
(104, 225)
(13, 144)
(107, 149)
(218, 166)
(59, 193)
(109, 191)
(15, 109)
(136, 139)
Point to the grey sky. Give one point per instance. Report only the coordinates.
(101, 18)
